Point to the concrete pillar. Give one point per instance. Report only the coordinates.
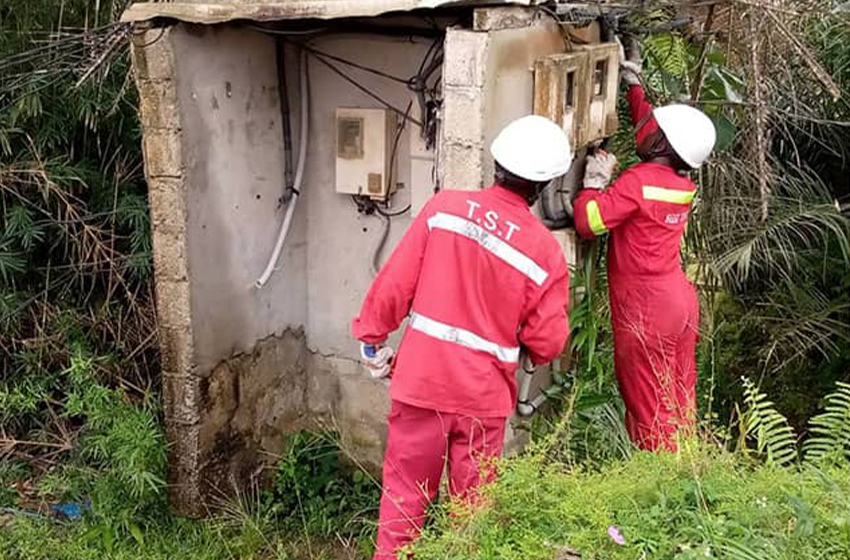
(154, 65)
(459, 165)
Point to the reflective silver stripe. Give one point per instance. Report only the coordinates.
(491, 242)
(455, 335)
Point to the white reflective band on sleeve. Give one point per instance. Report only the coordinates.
(455, 335)
(490, 242)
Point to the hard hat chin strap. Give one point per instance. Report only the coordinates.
(660, 149)
(529, 190)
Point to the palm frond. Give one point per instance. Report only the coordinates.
(800, 320)
(803, 220)
(12, 262)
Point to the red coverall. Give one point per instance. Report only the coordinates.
(478, 276)
(654, 309)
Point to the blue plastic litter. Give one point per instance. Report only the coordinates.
(71, 510)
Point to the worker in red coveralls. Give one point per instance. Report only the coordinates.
(478, 277)
(654, 309)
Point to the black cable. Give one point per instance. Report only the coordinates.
(155, 39)
(356, 65)
(390, 177)
(368, 92)
(288, 32)
(393, 214)
(428, 54)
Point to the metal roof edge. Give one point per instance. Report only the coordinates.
(211, 13)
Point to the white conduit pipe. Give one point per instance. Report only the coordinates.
(299, 174)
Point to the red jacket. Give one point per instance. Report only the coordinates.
(645, 209)
(478, 276)
(641, 112)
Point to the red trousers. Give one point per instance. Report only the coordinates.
(655, 325)
(419, 443)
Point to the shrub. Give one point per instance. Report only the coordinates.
(315, 492)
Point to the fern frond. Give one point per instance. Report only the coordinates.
(831, 429)
(739, 551)
(667, 54)
(773, 435)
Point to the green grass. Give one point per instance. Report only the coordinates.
(701, 503)
(215, 539)
(317, 508)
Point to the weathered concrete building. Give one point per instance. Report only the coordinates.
(398, 97)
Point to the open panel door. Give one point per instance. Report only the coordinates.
(602, 80)
(560, 92)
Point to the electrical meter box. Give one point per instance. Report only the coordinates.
(578, 90)
(364, 143)
(558, 92)
(603, 79)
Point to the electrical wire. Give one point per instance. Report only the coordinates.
(387, 216)
(401, 212)
(154, 40)
(367, 91)
(288, 32)
(375, 71)
(376, 254)
(417, 83)
(299, 173)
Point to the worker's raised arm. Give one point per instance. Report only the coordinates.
(545, 330)
(598, 211)
(639, 108)
(390, 297)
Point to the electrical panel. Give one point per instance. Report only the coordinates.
(558, 92)
(365, 141)
(602, 77)
(578, 90)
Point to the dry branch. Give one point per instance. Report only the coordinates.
(811, 61)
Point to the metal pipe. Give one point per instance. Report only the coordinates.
(526, 407)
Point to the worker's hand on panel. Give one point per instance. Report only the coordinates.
(599, 169)
(630, 62)
(630, 73)
(377, 358)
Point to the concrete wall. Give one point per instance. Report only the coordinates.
(233, 151)
(341, 241)
(244, 366)
(234, 357)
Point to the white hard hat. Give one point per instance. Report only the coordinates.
(689, 131)
(533, 148)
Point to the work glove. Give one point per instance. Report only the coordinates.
(377, 359)
(599, 169)
(630, 65)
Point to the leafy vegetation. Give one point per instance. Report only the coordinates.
(752, 503)
(315, 493)
(768, 245)
(831, 429)
(74, 232)
(318, 507)
(702, 503)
